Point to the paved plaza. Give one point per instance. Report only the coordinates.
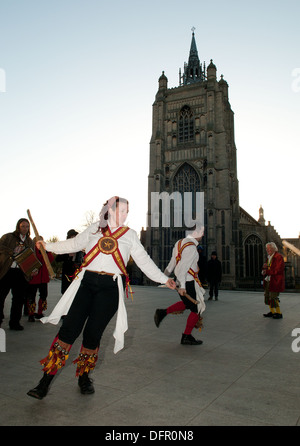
(244, 374)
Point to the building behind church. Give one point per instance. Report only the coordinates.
(192, 149)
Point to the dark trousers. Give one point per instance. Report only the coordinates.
(213, 288)
(190, 289)
(15, 282)
(32, 289)
(94, 305)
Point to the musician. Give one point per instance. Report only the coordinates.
(11, 277)
(96, 294)
(273, 273)
(184, 263)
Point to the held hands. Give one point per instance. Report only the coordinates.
(171, 284)
(181, 291)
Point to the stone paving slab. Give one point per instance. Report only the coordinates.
(244, 374)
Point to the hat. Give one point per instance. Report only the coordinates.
(214, 253)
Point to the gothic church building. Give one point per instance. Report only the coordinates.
(192, 149)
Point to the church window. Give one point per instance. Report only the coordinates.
(186, 125)
(253, 256)
(187, 180)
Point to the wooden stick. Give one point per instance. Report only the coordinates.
(189, 297)
(42, 249)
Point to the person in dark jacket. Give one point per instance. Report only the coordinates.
(202, 264)
(11, 276)
(214, 275)
(39, 282)
(71, 262)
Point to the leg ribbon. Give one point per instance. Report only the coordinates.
(199, 323)
(57, 357)
(31, 308)
(86, 361)
(42, 306)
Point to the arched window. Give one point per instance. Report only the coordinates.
(186, 179)
(186, 125)
(253, 256)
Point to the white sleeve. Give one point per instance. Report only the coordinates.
(184, 265)
(74, 244)
(170, 268)
(144, 261)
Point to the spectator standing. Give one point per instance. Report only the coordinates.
(71, 262)
(214, 275)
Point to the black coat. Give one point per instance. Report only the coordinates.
(214, 271)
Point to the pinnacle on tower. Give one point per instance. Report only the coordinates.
(193, 71)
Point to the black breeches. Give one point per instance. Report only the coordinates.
(34, 288)
(190, 289)
(94, 305)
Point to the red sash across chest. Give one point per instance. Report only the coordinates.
(180, 248)
(108, 245)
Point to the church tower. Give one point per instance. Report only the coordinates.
(192, 149)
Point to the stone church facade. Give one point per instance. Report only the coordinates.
(192, 149)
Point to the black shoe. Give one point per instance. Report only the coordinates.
(216, 298)
(16, 327)
(31, 318)
(210, 298)
(277, 316)
(85, 384)
(190, 340)
(38, 316)
(270, 314)
(41, 389)
(159, 316)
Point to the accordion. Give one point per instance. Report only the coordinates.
(28, 262)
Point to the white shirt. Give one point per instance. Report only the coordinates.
(189, 259)
(129, 245)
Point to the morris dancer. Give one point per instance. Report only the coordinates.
(96, 293)
(273, 272)
(184, 263)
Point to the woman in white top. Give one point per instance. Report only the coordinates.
(96, 293)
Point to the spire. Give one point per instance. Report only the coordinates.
(193, 71)
(193, 59)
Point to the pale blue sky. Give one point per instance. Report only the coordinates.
(80, 81)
